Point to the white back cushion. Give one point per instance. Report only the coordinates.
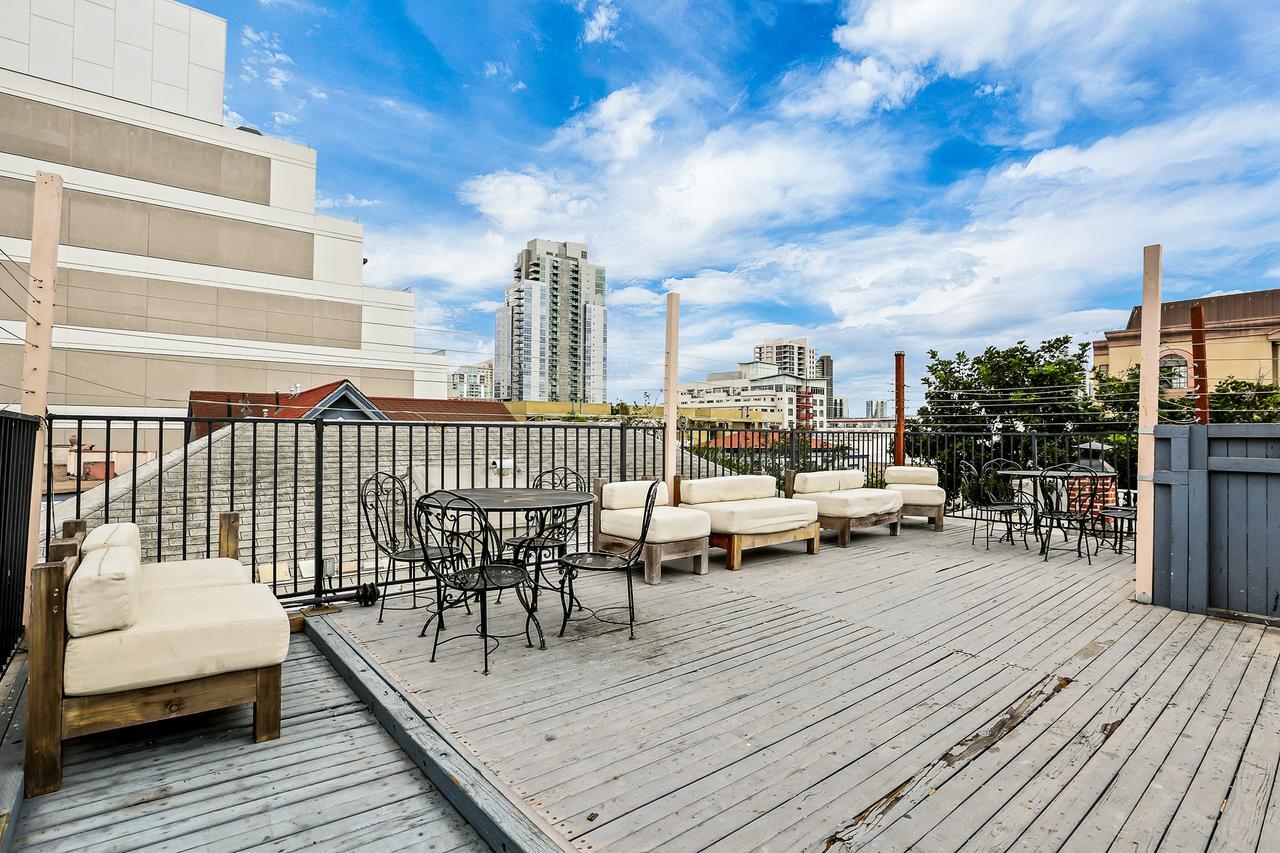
(817, 481)
(716, 489)
(914, 474)
(104, 593)
(852, 479)
(631, 494)
(122, 534)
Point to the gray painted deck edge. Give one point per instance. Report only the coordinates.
(499, 820)
(12, 751)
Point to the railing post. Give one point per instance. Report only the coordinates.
(622, 451)
(1035, 450)
(318, 499)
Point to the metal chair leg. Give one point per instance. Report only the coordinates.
(566, 599)
(530, 617)
(484, 627)
(631, 603)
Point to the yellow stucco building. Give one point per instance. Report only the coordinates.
(1242, 339)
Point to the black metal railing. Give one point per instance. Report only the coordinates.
(296, 484)
(17, 469)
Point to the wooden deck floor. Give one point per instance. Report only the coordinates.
(335, 780)
(907, 693)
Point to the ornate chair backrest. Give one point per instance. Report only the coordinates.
(456, 535)
(384, 501)
(1068, 488)
(651, 498)
(560, 478)
(998, 488)
(972, 492)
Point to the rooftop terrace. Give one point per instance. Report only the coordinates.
(914, 692)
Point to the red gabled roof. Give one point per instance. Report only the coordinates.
(419, 409)
(757, 441)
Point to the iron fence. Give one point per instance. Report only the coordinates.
(17, 460)
(296, 484)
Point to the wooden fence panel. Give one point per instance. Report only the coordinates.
(1217, 518)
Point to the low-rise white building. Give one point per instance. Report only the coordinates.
(760, 386)
(472, 382)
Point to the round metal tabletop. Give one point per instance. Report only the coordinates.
(518, 500)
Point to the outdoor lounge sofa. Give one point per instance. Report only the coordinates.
(843, 503)
(673, 531)
(921, 494)
(139, 643)
(747, 513)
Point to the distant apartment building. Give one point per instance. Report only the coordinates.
(1241, 336)
(757, 386)
(876, 409)
(192, 254)
(472, 382)
(551, 332)
(825, 370)
(837, 408)
(791, 355)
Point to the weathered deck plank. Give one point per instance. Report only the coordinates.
(200, 782)
(911, 692)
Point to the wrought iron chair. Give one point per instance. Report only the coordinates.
(1122, 520)
(603, 561)
(994, 500)
(384, 501)
(463, 551)
(554, 530)
(1067, 497)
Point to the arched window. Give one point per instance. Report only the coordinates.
(1173, 371)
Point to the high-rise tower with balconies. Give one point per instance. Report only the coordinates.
(551, 331)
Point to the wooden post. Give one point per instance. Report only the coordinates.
(37, 359)
(229, 535)
(1199, 364)
(670, 410)
(900, 407)
(1148, 414)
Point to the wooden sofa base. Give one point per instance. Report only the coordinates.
(933, 513)
(53, 717)
(842, 525)
(655, 553)
(735, 543)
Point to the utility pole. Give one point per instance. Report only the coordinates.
(37, 358)
(1199, 364)
(1148, 414)
(670, 431)
(900, 407)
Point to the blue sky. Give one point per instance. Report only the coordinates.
(875, 175)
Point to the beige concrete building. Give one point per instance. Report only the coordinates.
(192, 254)
(792, 355)
(551, 333)
(1242, 339)
(760, 387)
(472, 382)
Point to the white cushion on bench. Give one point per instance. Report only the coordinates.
(218, 571)
(181, 634)
(917, 474)
(812, 482)
(855, 503)
(122, 534)
(669, 523)
(914, 493)
(630, 494)
(718, 489)
(104, 591)
(762, 515)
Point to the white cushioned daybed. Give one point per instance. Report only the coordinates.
(844, 504)
(138, 643)
(673, 531)
(746, 513)
(921, 494)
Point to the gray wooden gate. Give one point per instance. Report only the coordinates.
(1217, 518)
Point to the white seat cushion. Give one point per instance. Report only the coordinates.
(762, 515)
(812, 482)
(908, 474)
(717, 489)
(855, 503)
(919, 495)
(123, 534)
(104, 591)
(630, 494)
(181, 634)
(669, 523)
(175, 574)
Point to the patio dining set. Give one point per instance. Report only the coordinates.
(1079, 501)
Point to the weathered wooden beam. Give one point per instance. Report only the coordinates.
(1148, 414)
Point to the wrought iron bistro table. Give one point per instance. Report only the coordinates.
(1105, 495)
(543, 511)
